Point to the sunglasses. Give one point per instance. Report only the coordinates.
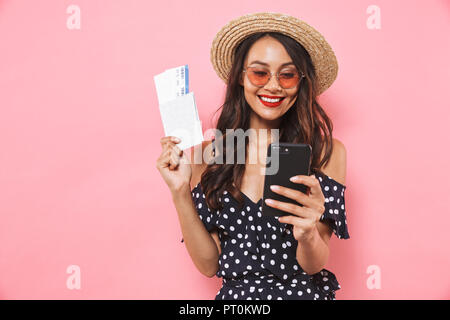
(287, 78)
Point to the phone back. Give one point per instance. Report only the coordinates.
(294, 159)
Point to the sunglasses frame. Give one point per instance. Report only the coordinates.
(301, 74)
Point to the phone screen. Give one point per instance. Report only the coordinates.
(284, 160)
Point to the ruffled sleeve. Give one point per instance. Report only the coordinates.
(203, 211)
(334, 215)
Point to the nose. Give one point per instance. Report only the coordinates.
(273, 84)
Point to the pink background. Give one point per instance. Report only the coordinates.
(80, 130)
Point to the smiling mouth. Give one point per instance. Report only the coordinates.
(271, 102)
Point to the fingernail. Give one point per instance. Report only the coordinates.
(274, 187)
(294, 178)
(269, 201)
(177, 139)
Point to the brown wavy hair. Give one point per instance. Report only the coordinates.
(304, 122)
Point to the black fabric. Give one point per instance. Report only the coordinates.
(258, 259)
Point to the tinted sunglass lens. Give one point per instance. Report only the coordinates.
(258, 77)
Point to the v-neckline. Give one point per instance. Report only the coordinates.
(254, 203)
(248, 198)
(243, 194)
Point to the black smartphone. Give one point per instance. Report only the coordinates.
(285, 161)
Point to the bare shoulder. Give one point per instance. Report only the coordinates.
(197, 160)
(336, 167)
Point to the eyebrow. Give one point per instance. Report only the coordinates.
(265, 64)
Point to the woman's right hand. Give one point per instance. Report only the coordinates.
(173, 164)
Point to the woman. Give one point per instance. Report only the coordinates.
(274, 66)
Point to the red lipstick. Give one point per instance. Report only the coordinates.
(271, 101)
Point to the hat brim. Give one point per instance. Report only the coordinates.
(234, 32)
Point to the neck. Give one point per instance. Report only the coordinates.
(260, 125)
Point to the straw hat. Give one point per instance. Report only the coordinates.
(229, 37)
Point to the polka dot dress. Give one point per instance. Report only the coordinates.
(258, 258)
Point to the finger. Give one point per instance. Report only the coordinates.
(177, 150)
(310, 181)
(295, 221)
(287, 207)
(174, 160)
(164, 159)
(293, 194)
(167, 139)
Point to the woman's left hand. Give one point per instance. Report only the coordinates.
(303, 219)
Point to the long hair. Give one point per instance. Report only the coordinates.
(305, 122)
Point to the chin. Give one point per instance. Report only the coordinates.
(268, 114)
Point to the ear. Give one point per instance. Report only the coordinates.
(241, 79)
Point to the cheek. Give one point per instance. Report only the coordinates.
(250, 92)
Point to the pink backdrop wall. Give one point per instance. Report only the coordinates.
(80, 130)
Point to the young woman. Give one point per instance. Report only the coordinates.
(278, 66)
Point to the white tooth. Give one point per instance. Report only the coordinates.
(270, 100)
